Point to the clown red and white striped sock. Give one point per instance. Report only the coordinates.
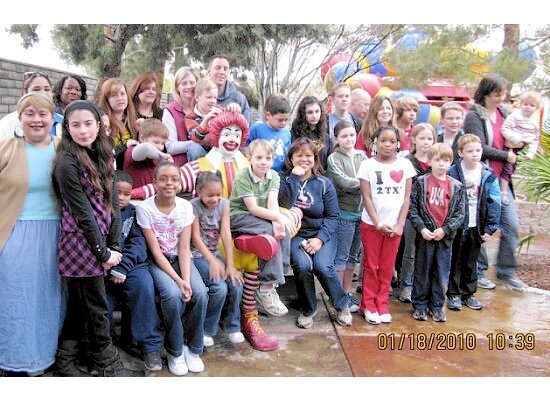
(251, 283)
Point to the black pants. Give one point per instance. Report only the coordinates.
(463, 276)
(87, 318)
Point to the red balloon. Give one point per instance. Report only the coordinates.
(335, 59)
(370, 82)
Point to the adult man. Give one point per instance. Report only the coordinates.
(228, 95)
(359, 107)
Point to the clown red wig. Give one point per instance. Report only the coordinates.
(223, 120)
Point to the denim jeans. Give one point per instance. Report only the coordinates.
(195, 151)
(220, 293)
(431, 274)
(348, 246)
(506, 262)
(179, 315)
(321, 265)
(406, 273)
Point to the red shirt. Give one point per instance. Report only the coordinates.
(423, 165)
(438, 198)
(140, 171)
(498, 143)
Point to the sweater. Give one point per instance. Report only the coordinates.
(231, 95)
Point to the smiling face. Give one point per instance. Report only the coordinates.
(210, 194)
(186, 88)
(207, 100)
(304, 158)
(230, 140)
(83, 127)
(452, 121)
(495, 99)
(39, 84)
(148, 93)
(167, 181)
(219, 72)
(385, 113)
(36, 124)
(71, 91)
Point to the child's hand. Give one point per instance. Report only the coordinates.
(386, 230)
(131, 142)
(212, 113)
(234, 275)
(439, 234)
(216, 270)
(185, 289)
(485, 237)
(427, 234)
(117, 280)
(397, 230)
(512, 158)
(233, 107)
(278, 230)
(114, 259)
(167, 157)
(297, 170)
(139, 121)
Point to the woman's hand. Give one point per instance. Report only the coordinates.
(512, 157)
(313, 245)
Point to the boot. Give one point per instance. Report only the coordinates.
(251, 329)
(117, 369)
(66, 359)
(264, 246)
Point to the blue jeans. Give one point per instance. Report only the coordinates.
(195, 151)
(321, 265)
(220, 293)
(139, 298)
(506, 262)
(348, 244)
(177, 314)
(406, 273)
(431, 274)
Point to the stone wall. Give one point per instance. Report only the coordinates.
(11, 81)
(533, 217)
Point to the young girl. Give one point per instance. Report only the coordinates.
(381, 113)
(88, 242)
(166, 224)
(385, 183)
(343, 165)
(114, 99)
(422, 138)
(212, 223)
(311, 122)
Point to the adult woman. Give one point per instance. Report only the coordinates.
(313, 248)
(311, 122)
(35, 82)
(183, 90)
(31, 306)
(484, 119)
(145, 97)
(115, 101)
(68, 89)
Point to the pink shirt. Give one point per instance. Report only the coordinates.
(498, 143)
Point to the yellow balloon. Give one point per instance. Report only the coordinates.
(434, 117)
(386, 91)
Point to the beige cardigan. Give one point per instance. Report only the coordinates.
(14, 183)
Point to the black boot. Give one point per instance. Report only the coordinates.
(117, 369)
(66, 359)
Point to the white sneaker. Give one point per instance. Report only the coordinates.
(177, 365)
(270, 303)
(236, 337)
(385, 318)
(194, 362)
(208, 341)
(372, 318)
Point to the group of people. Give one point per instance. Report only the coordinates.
(195, 208)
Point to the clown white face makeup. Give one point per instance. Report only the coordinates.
(230, 140)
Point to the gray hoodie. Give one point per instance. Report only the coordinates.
(342, 170)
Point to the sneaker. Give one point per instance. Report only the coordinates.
(355, 277)
(152, 361)
(117, 369)
(305, 321)
(252, 330)
(385, 318)
(208, 341)
(264, 246)
(512, 281)
(405, 295)
(193, 361)
(420, 315)
(473, 303)
(372, 318)
(270, 303)
(353, 303)
(236, 337)
(454, 303)
(343, 317)
(437, 315)
(484, 282)
(359, 289)
(177, 365)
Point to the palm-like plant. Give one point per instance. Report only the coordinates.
(535, 174)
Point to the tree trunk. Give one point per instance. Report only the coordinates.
(511, 37)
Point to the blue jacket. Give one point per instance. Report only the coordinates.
(134, 247)
(420, 216)
(317, 199)
(488, 205)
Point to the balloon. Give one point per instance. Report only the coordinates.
(415, 94)
(341, 71)
(410, 41)
(391, 71)
(335, 59)
(385, 91)
(369, 55)
(378, 69)
(434, 116)
(528, 54)
(370, 82)
(423, 114)
(479, 60)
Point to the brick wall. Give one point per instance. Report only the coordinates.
(11, 81)
(533, 217)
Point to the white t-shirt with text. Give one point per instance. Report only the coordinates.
(472, 178)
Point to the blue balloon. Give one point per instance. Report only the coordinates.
(415, 94)
(423, 114)
(378, 69)
(372, 51)
(409, 41)
(345, 69)
(528, 54)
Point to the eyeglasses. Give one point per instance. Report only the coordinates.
(32, 74)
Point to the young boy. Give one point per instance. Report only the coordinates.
(519, 131)
(406, 109)
(437, 212)
(140, 160)
(274, 129)
(452, 116)
(482, 216)
(196, 122)
(133, 277)
(341, 100)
